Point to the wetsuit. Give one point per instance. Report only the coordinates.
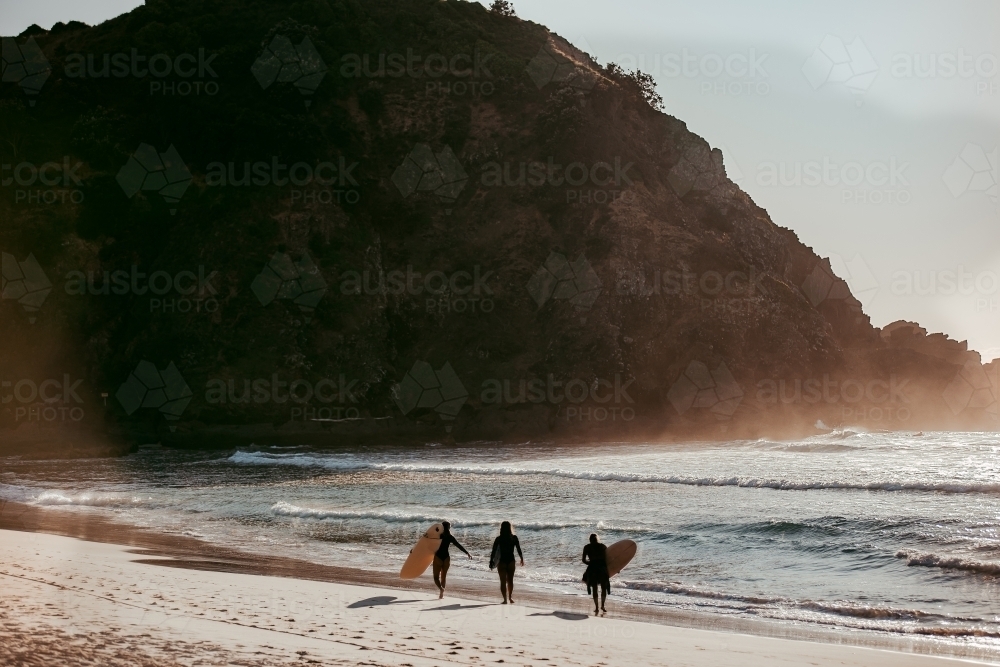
(442, 561)
(595, 555)
(503, 550)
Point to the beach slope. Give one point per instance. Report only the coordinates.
(68, 601)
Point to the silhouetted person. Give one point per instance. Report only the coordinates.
(442, 561)
(502, 557)
(595, 557)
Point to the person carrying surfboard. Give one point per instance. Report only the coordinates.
(595, 558)
(502, 558)
(442, 561)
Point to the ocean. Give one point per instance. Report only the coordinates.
(870, 532)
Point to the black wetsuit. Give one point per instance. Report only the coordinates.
(506, 545)
(503, 553)
(597, 567)
(446, 540)
(442, 561)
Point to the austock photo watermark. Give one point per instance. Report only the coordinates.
(46, 183)
(839, 63)
(45, 401)
(850, 63)
(979, 67)
(460, 74)
(974, 170)
(148, 387)
(287, 278)
(326, 399)
(577, 399)
(424, 387)
(25, 283)
(981, 286)
(857, 399)
(598, 182)
(733, 74)
(328, 182)
(717, 291)
(429, 171)
(560, 279)
(700, 387)
(440, 292)
(870, 182)
(180, 75)
(178, 292)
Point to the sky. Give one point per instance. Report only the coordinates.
(870, 129)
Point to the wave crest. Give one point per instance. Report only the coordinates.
(260, 458)
(917, 559)
(282, 508)
(57, 498)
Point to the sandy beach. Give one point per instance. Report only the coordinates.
(71, 601)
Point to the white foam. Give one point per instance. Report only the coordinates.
(282, 508)
(914, 558)
(614, 476)
(86, 499)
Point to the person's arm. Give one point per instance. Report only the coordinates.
(455, 542)
(517, 545)
(586, 552)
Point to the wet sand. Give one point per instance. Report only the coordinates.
(94, 598)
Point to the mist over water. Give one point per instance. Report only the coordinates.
(878, 532)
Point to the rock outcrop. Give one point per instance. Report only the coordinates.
(389, 221)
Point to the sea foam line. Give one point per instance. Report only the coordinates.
(282, 508)
(917, 559)
(260, 458)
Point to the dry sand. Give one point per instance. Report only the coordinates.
(68, 601)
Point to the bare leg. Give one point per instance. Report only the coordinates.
(510, 585)
(594, 589)
(604, 596)
(503, 584)
(444, 575)
(437, 572)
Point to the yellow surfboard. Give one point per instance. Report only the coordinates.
(422, 554)
(619, 555)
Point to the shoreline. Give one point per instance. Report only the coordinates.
(147, 547)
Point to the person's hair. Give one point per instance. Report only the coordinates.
(446, 526)
(505, 528)
(593, 538)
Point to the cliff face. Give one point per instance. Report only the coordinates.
(338, 221)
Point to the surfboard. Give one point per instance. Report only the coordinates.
(495, 555)
(619, 555)
(422, 554)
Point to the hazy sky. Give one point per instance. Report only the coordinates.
(889, 112)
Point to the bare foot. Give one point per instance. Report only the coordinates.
(512, 600)
(505, 601)
(441, 594)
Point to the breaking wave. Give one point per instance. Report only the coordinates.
(282, 508)
(304, 460)
(916, 559)
(86, 500)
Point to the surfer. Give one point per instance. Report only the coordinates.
(595, 558)
(502, 558)
(442, 561)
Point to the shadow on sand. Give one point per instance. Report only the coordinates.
(456, 607)
(565, 615)
(379, 601)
